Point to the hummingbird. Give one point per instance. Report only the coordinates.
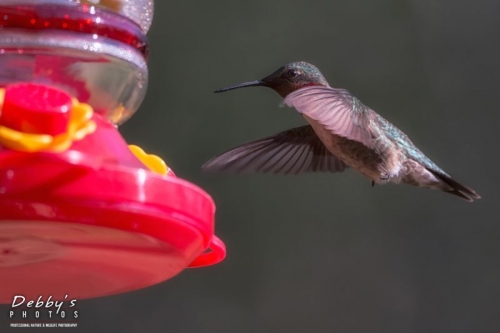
(341, 133)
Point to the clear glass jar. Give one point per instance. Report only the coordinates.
(96, 55)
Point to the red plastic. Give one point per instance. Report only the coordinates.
(36, 109)
(93, 221)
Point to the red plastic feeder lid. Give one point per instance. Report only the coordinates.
(36, 109)
(92, 220)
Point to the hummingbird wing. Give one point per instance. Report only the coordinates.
(336, 109)
(294, 151)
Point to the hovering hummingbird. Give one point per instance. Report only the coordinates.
(342, 133)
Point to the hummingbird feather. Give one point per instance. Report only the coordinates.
(336, 109)
(294, 151)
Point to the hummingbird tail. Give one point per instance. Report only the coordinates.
(455, 188)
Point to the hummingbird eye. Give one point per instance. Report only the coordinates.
(292, 73)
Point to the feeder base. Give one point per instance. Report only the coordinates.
(43, 258)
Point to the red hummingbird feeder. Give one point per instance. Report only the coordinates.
(81, 212)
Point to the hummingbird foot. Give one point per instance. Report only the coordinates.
(384, 178)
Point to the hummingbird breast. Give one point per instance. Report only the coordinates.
(379, 164)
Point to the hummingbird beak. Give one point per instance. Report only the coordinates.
(242, 85)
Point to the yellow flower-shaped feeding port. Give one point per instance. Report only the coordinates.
(152, 162)
(79, 126)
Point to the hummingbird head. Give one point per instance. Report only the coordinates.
(287, 79)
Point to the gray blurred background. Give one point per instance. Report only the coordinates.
(323, 252)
